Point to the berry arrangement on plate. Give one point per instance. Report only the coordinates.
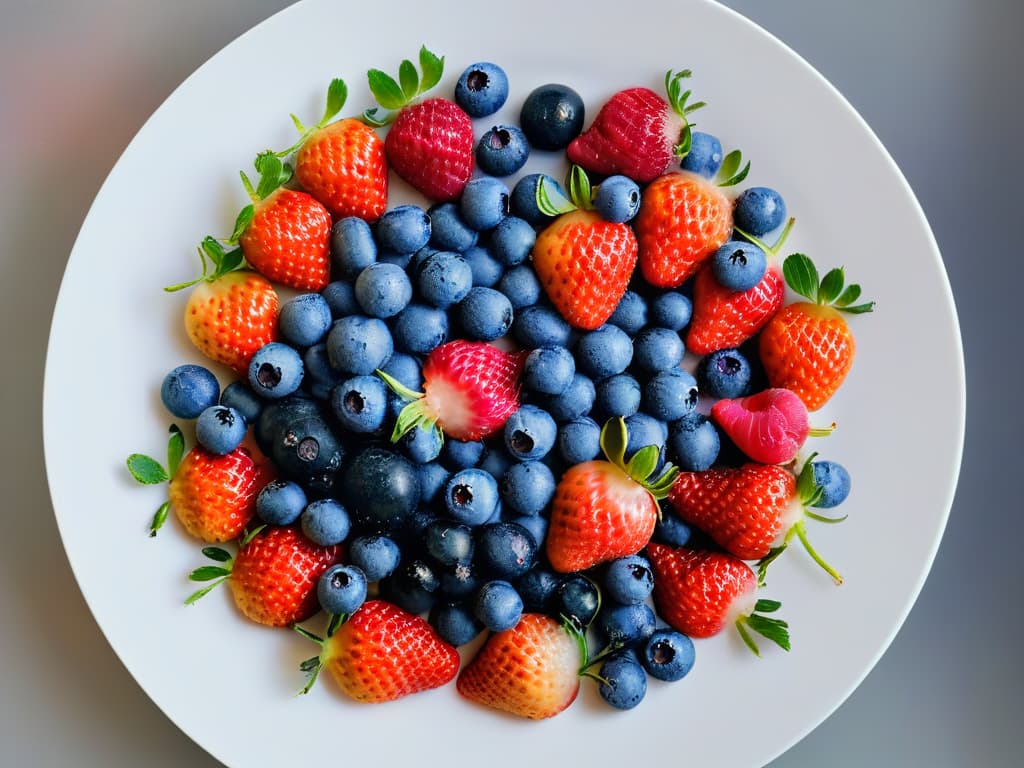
(558, 425)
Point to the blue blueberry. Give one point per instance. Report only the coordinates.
(498, 606)
(579, 440)
(512, 241)
(277, 416)
(620, 626)
(541, 326)
(280, 502)
(485, 314)
(413, 587)
(530, 433)
(724, 374)
(433, 477)
(220, 429)
(416, 259)
(341, 589)
(670, 394)
(471, 496)
(705, 155)
(403, 229)
(630, 313)
(188, 390)
(375, 555)
(521, 286)
(448, 230)
(672, 310)
(419, 329)
(448, 543)
(382, 489)
(618, 395)
(759, 210)
(502, 150)
(577, 598)
(454, 623)
(668, 655)
(400, 260)
(672, 531)
(444, 278)
(527, 488)
(495, 461)
(275, 370)
(537, 588)
(552, 116)
(383, 290)
(576, 401)
(484, 202)
(643, 430)
(352, 247)
(549, 370)
(834, 481)
(481, 89)
(421, 444)
(459, 581)
(624, 682)
(693, 442)
(486, 269)
(239, 395)
(325, 522)
(657, 349)
(308, 450)
(304, 319)
(405, 369)
(505, 550)
(617, 199)
(739, 265)
(628, 580)
(340, 296)
(535, 525)
(319, 377)
(523, 202)
(359, 345)
(604, 352)
(360, 403)
(461, 454)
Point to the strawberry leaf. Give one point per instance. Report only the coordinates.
(764, 562)
(643, 463)
(831, 286)
(730, 164)
(252, 534)
(159, 518)
(731, 180)
(775, 630)
(146, 470)
(214, 251)
(767, 606)
(409, 79)
(337, 619)
(175, 449)
(337, 94)
(242, 222)
(801, 275)
(860, 309)
(613, 441)
(847, 297)
(232, 260)
(273, 173)
(216, 553)
(432, 67)
(208, 573)
(385, 90)
(200, 593)
(551, 201)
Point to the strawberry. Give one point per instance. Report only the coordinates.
(606, 508)
(637, 132)
(273, 577)
(469, 390)
(683, 219)
(430, 143)
(700, 592)
(808, 347)
(753, 511)
(724, 319)
(532, 670)
(382, 653)
(583, 262)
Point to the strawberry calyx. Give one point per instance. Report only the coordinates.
(312, 666)
(393, 95)
(217, 574)
(551, 202)
(642, 465)
(216, 262)
(148, 471)
(337, 94)
(729, 172)
(768, 627)
(830, 291)
(677, 99)
(273, 174)
(417, 412)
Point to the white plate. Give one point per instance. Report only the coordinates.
(229, 684)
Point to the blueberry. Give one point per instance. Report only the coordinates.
(278, 415)
(471, 496)
(360, 403)
(400, 260)
(628, 580)
(341, 589)
(188, 390)
(834, 481)
(549, 370)
(523, 202)
(448, 543)
(624, 682)
(448, 230)
(280, 502)
(724, 374)
(484, 203)
(320, 376)
(530, 433)
(668, 655)
(619, 626)
(604, 352)
(383, 290)
(672, 310)
(485, 314)
(535, 525)
(220, 429)
(552, 116)
(404, 229)
(738, 265)
(495, 461)
(670, 394)
(759, 210)
(458, 581)
(657, 349)
(505, 550)
(325, 522)
(382, 489)
(304, 320)
(308, 451)
(275, 370)
(520, 286)
(461, 454)
(481, 89)
(433, 477)
(705, 155)
(630, 313)
(643, 430)
(412, 587)
(618, 395)
(541, 326)
(672, 531)
(486, 269)
(693, 443)
(239, 395)
(341, 298)
(502, 150)
(527, 488)
(376, 555)
(537, 588)
(416, 259)
(454, 623)
(352, 247)
(359, 345)
(578, 598)
(512, 241)
(576, 401)
(498, 606)
(418, 329)
(405, 369)
(579, 440)
(421, 444)
(617, 199)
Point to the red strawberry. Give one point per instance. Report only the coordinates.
(532, 670)
(753, 511)
(583, 262)
(273, 577)
(381, 653)
(470, 389)
(769, 427)
(605, 509)
(637, 133)
(699, 593)
(430, 143)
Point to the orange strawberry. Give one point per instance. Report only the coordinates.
(603, 509)
(382, 653)
(683, 219)
(532, 670)
(808, 347)
(584, 263)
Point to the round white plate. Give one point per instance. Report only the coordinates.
(231, 685)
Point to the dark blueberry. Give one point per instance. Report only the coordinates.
(549, 370)
(504, 550)
(484, 202)
(624, 682)
(421, 444)
(618, 395)
(657, 349)
(552, 116)
(693, 443)
(739, 266)
(461, 454)
(304, 319)
(834, 482)
(360, 403)
(352, 247)
(579, 440)
(530, 433)
(537, 588)
(308, 450)
(527, 488)
(759, 210)
(239, 395)
(671, 310)
(278, 415)
(604, 352)
(448, 230)
(443, 279)
(320, 376)
(624, 625)
(671, 530)
(502, 150)
(275, 371)
(280, 502)
(481, 89)
(495, 461)
(535, 525)
(325, 522)
(724, 374)
(617, 199)
(454, 623)
(359, 345)
(512, 241)
(643, 430)
(668, 655)
(576, 401)
(541, 326)
(419, 329)
(670, 394)
(485, 314)
(628, 580)
(630, 314)
(341, 589)
(220, 429)
(341, 298)
(403, 229)
(578, 598)
(705, 155)
(458, 581)
(405, 369)
(433, 477)
(376, 555)
(498, 606)
(400, 260)
(471, 496)
(413, 587)
(382, 489)
(448, 543)
(524, 197)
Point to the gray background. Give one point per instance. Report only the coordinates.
(938, 82)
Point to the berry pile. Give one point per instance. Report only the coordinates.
(486, 422)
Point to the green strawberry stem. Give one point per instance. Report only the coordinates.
(831, 290)
(677, 99)
(212, 252)
(415, 414)
(273, 175)
(337, 94)
(314, 664)
(642, 465)
(217, 574)
(393, 95)
(148, 471)
(770, 628)
(771, 251)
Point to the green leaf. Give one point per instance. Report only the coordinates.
(310, 664)
(217, 553)
(801, 275)
(159, 518)
(432, 67)
(337, 619)
(385, 90)
(337, 94)
(580, 191)
(847, 297)
(551, 201)
(764, 562)
(398, 387)
(175, 449)
(370, 117)
(730, 164)
(146, 470)
(409, 79)
(208, 573)
(682, 149)
(745, 635)
(242, 222)
(775, 630)
(232, 260)
(200, 593)
(272, 174)
(643, 463)
(736, 178)
(767, 606)
(831, 286)
(613, 441)
(860, 309)
(805, 484)
(252, 534)
(212, 250)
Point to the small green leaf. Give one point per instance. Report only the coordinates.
(307, 634)
(200, 593)
(801, 275)
(232, 260)
(242, 222)
(847, 297)
(337, 619)
(409, 79)
(580, 190)
(385, 90)
(175, 449)
(551, 201)
(613, 441)
(822, 518)
(398, 387)
(146, 470)
(741, 627)
(643, 463)
(682, 149)
(767, 606)
(831, 286)
(736, 178)
(272, 174)
(432, 67)
(337, 94)
(764, 562)
(252, 534)
(775, 630)
(310, 664)
(860, 309)
(159, 518)
(208, 573)
(212, 250)
(730, 164)
(216, 553)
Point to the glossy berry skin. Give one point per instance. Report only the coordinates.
(319, 377)
(624, 625)
(705, 155)
(454, 623)
(471, 496)
(625, 682)
(275, 371)
(512, 241)
(485, 314)
(668, 655)
(693, 442)
(527, 488)
(353, 247)
(617, 395)
(724, 373)
(617, 199)
(498, 606)
(220, 429)
(403, 229)
(382, 489)
(630, 314)
(239, 396)
(502, 150)
(604, 352)
(670, 309)
(505, 550)
(188, 390)
(523, 202)
(739, 266)
(759, 210)
(670, 395)
(433, 477)
(520, 286)
(280, 502)
(579, 440)
(537, 588)
(341, 589)
(530, 433)
(342, 165)
(577, 400)
(644, 429)
(834, 481)
(672, 532)
(486, 269)
(657, 349)
(358, 345)
(414, 587)
(541, 326)
(724, 319)
(304, 320)
(375, 555)
(449, 231)
(484, 203)
(430, 145)
(481, 89)
(549, 370)
(448, 543)
(308, 451)
(578, 598)
(288, 240)
(552, 116)
(360, 403)
(419, 329)
(214, 497)
(325, 522)
(383, 290)
(628, 580)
